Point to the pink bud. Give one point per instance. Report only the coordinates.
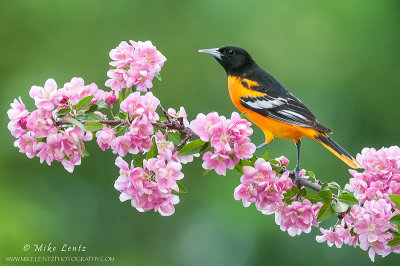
(23, 122)
(64, 99)
(111, 99)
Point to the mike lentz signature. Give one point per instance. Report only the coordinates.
(50, 247)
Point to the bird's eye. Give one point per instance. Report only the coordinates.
(230, 52)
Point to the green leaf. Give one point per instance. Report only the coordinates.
(253, 160)
(302, 192)
(158, 76)
(396, 200)
(93, 126)
(246, 163)
(395, 241)
(349, 199)
(63, 112)
(86, 154)
(153, 152)
(82, 104)
(395, 219)
(122, 115)
(75, 122)
(182, 189)
(239, 168)
(326, 196)
(92, 108)
(205, 147)
(325, 186)
(266, 155)
(294, 189)
(89, 116)
(311, 174)
(100, 105)
(121, 97)
(120, 130)
(313, 198)
(127, 92)
(243, 115)
(325, 212)
(137, 160)
(174, 137)
(206, 171)
(192, 147)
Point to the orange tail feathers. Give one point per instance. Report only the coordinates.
(337, 150)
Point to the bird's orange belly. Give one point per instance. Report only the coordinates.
(271, 127)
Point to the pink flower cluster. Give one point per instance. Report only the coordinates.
(370, 220)
(261, 185)
(136, 63)
(229, 138)
(370, 224)
(37, 133)
(141, 112)
(151, 186)
(381, 176)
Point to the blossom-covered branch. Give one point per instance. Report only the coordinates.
(153, 143)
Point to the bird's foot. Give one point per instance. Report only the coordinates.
(260, 146)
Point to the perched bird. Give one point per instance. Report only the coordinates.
(269, 105)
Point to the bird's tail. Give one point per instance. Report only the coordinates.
(336, 149)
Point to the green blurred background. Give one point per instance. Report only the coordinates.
(341, 58)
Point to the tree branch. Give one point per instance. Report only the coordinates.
(175, 125)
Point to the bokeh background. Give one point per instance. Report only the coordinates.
(340, 57)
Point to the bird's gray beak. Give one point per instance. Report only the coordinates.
(214, 52)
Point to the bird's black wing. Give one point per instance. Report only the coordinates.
(285, 107)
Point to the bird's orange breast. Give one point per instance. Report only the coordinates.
(239, 88)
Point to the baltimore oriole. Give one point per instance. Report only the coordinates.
(269, 105)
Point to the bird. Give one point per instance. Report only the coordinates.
(270, 106)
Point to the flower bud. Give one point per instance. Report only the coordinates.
(110, 99)
(64, 99)
(23, 122)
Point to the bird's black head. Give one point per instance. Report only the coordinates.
(234, 60)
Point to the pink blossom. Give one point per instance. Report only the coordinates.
(117, 81)
(167, 173)
(217, 161)
(247, 193)
(298, 217)
(331, 236)
(71, 89)
(140, 75)
(141, 185)
(105, 137)
(220, 138)
(179, 115)
(239, 127)
(46, 97)
(121, 145)
(52, 149)
(261, 185)
(27, 144)
(18, 118)
(122, 55)
(203, 125)
(142, 106)
(147, 53)
(283, 161)
(40, 122)
(165, 148)
(91, 90)
(133, 104)
(244, 148)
